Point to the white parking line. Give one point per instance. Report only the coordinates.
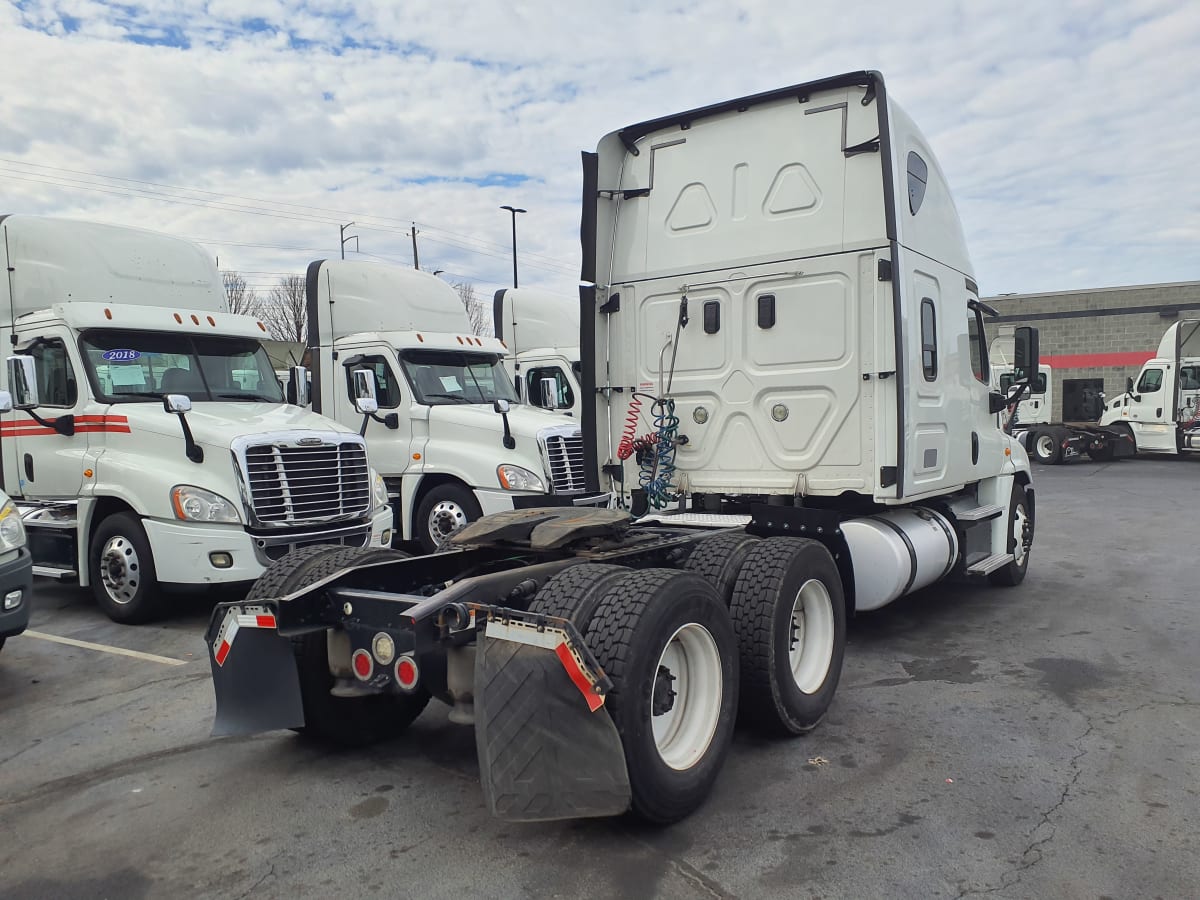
(104, 648)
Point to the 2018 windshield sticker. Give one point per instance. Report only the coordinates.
(122, 355)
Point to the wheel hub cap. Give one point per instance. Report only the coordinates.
(810, 650)
(445, 519)
(120, 570)
(685, 699)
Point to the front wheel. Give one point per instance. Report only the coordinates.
(789, 612)
(121, 570)
(1020, 541)
(665, 640)
(444, 511)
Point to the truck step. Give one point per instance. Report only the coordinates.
(990, 564)
(980, 513)
(56, 573)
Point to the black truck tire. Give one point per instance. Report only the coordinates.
(1019, 522)
(349, 721)
(121, 570)
(1046, 447)
(574, 593)
(665, 640)
(789, 613)
(444, 510)
(718, 560)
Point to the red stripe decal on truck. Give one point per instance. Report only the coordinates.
(83, 425)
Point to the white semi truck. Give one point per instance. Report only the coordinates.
(1048, 441)
(449, 437)
(785, 379)
(137, 454)
(541, 331)
(1161, 411)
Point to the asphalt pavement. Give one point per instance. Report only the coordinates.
(1039, 741)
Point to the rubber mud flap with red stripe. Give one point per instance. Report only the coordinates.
(545, 751)
(254, 672)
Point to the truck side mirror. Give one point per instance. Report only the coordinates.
(1025, 353)
(7, 406)
(365, 400)
(177, 403)
(501, 406)
(22, 381)
(1129, 385)
(997, 402)
(299, 379)
(549, 389)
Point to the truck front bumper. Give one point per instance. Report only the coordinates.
(16, 592)
(189, 553)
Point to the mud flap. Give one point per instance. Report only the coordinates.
(545, 752)
(254, 672)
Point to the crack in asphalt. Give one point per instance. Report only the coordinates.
(1032, 854)
(687, 871)
(254, 887)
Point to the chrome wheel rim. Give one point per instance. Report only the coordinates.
(685, 698)
(810, 651)
(1019, 522)
(1045, 446)
(120, 570)
(446, 518)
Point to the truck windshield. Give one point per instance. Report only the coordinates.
(440, 377)
(142, 366)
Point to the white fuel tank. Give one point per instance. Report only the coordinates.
(897, 552)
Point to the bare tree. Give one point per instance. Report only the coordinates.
(285, 311)
(477, 310)
(242, 300)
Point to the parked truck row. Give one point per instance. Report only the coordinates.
(1157, 415)
(784, 386)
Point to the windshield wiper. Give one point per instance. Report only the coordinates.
(457, 398)
(120, 395)
(231, 395)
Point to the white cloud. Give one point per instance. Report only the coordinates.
(1067, 131)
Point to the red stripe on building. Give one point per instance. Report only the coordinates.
(1098, 360)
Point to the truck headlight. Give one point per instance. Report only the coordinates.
(514, 478)
(378, 489)
(195, 504)
(12, 529)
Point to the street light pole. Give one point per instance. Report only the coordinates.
(514, 210)
(354, 237)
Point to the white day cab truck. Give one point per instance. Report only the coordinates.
(1050, 442)
(448, 434)
(138, 457)
(1161, 412)
(541, 331)
(785, 376)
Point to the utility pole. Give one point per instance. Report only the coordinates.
(413, 234)
(354, 237)
(514, 210)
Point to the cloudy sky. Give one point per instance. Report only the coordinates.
(1068, 129)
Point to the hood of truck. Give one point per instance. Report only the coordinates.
(523, 421)
(217, 424)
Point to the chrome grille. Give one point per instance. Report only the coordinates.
(290, 483)
(564, 461)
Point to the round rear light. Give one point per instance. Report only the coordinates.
(407, 673)
(363, 664)
(384, 648)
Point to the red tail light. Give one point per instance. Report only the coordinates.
(407, 673)
(364, 666)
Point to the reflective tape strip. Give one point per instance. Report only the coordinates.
(235, 619)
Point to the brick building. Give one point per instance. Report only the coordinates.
(1094, 339)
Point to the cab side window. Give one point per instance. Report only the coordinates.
(1150, 381)
(565, 397)
(976, 339)
(387, 388)
(56, 377)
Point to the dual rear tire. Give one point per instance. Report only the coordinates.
(753, 624)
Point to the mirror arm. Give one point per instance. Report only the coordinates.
(64, 425)
(510, 443)
(191, 449)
